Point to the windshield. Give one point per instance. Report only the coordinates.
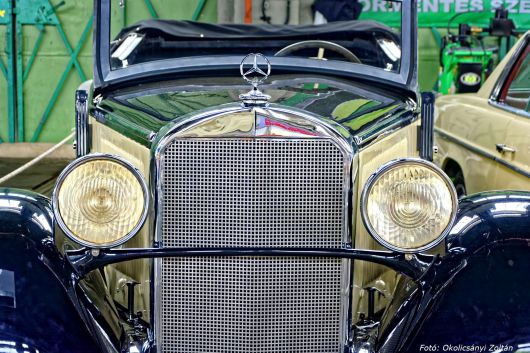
(301, 34)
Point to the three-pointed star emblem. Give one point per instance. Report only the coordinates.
(255, 74)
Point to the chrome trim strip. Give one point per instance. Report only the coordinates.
(393, 164)
(493, 99)
(81, 123)
(478, 151)
(85, 159)
(387, 124)
(346, 303)
(509, 108)
(494, 95)
(156, 190)
(425, 132)
(327, 129)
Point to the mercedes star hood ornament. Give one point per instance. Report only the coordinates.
(255, 69)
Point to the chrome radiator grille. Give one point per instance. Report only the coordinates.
(252, 193)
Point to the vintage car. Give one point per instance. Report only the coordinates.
(483, 138)
(225, 201)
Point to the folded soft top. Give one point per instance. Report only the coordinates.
(188, 30)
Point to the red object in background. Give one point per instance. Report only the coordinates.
(513, 74)
(248, 11)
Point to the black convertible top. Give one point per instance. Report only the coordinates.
(167, 39)
(188, 30)
(188, 48)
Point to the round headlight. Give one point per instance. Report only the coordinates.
(100, 201)
(408, 205)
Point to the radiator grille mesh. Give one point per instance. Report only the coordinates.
(251, 193)
(251, 305)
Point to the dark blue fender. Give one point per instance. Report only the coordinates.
(39, 305)
(478, 294)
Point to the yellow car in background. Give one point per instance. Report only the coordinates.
(483, 138)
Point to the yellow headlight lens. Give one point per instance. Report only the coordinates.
(100, 201)
(409, 205)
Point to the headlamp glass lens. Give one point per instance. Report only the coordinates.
(409, 205)
(101, 201)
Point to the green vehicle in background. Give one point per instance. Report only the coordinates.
(465, 60)
(464, 68)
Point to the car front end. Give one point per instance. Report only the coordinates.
(241, 202)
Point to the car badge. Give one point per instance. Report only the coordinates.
(255, 69)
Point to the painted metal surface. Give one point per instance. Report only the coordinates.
(81, 123)
(106, 326)
(501, 148)
(426, 141)
(469, 127)
(476, 294)
(485, 236)
(48, 63)
(487, 247)
(47, 316)
(84, 261)
(365, 112)
(380, 122)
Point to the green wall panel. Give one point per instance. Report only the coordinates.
(136, 10)
(47, 69)
(429, 59)
(52, 59)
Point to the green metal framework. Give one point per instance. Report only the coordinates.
(41, 14)
(7, 67)
(15, 17)
(154, 13)
(148, 4)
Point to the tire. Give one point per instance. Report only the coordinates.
(458, 181)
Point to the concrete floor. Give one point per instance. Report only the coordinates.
(40, 177)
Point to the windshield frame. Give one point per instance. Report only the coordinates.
(105, 76)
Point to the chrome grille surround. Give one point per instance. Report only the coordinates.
(253, 304)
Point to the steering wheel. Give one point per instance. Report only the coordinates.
(321, 45)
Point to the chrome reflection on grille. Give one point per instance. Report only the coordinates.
(252, 193)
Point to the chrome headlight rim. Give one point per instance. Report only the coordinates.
(85, 159)
(394, 164)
